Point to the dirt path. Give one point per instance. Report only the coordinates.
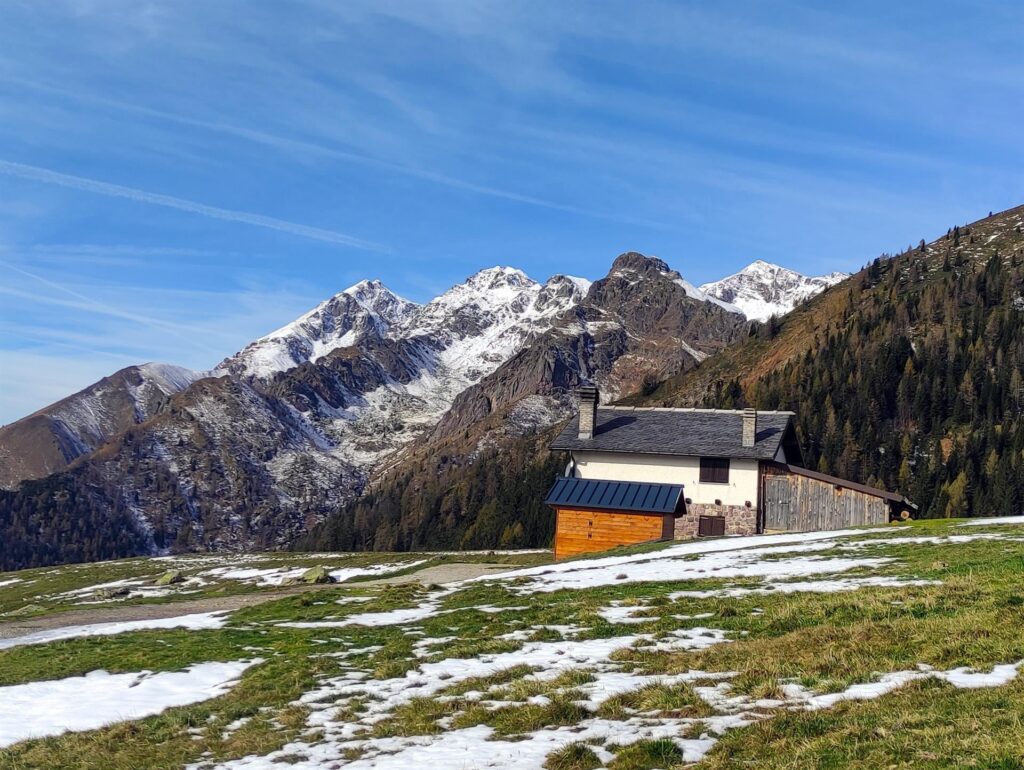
(442, 573)
(445, 573)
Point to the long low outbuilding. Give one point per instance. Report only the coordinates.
(719, 472)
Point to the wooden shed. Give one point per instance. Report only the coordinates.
(796, 499)
(594, 515)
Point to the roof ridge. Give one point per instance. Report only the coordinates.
(700, 410)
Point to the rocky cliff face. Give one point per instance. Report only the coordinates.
(762, 290)
(638, 324)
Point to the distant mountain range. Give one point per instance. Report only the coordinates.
(299, 421)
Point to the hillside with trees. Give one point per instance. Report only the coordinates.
(493, 499)
(909, 376)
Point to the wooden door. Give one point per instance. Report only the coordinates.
(778, 503)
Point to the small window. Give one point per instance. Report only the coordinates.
(714, 470)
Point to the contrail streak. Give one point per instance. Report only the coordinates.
(38, 174)
(313, 148)
(191, 333)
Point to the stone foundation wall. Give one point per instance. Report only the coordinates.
(739, 520)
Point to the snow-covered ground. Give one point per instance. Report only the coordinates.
(741, 558)
(40, 709)
(347, 708)
(193, 622)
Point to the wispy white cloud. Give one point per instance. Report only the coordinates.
(49, 176)
(80, 301)
(309, 149)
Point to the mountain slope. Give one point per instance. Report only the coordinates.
(48, 440)
(909, 375)
(762, 290)
(362, 312)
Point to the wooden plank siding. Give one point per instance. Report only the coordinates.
(581, 531)
(796, 503)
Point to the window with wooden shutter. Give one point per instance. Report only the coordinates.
(714, 470)
(711, 526)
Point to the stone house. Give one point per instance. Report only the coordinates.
(637, 474)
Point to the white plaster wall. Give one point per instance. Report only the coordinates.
(669, 469)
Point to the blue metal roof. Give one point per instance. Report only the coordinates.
(615, 495)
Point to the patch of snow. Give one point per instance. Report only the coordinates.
(195, 622)
(41, 709)
(725, 558)
(804, 586)
(620, 614)
(993, 520)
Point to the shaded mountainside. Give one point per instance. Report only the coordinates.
(491, 500)
(910, 375)
(65, 518)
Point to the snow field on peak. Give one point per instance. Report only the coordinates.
(695, 293)
(762, 290)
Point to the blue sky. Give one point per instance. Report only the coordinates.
(178, 178)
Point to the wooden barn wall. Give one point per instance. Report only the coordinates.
(580, 531)
(795, 503)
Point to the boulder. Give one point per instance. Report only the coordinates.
(28, 609)
(318, 574)
(114, 592)
(169, 578)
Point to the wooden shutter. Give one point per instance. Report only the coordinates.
(714, 470)
(711, 526)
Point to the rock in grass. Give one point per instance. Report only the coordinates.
(28, 609)
(318, 574)
(169, 578)
(113, 593)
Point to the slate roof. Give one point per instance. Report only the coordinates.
(700, 432)
(630, 496)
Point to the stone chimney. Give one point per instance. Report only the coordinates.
(588, 411)
(749, 427)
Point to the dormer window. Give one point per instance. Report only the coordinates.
(714, 470)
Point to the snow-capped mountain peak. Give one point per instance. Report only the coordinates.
(366, 310)
(377, 299)
(634, 266)
(762, 290)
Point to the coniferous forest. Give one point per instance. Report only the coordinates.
(910, 376)
(58, 519)
(494, 500)
(918, 390)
